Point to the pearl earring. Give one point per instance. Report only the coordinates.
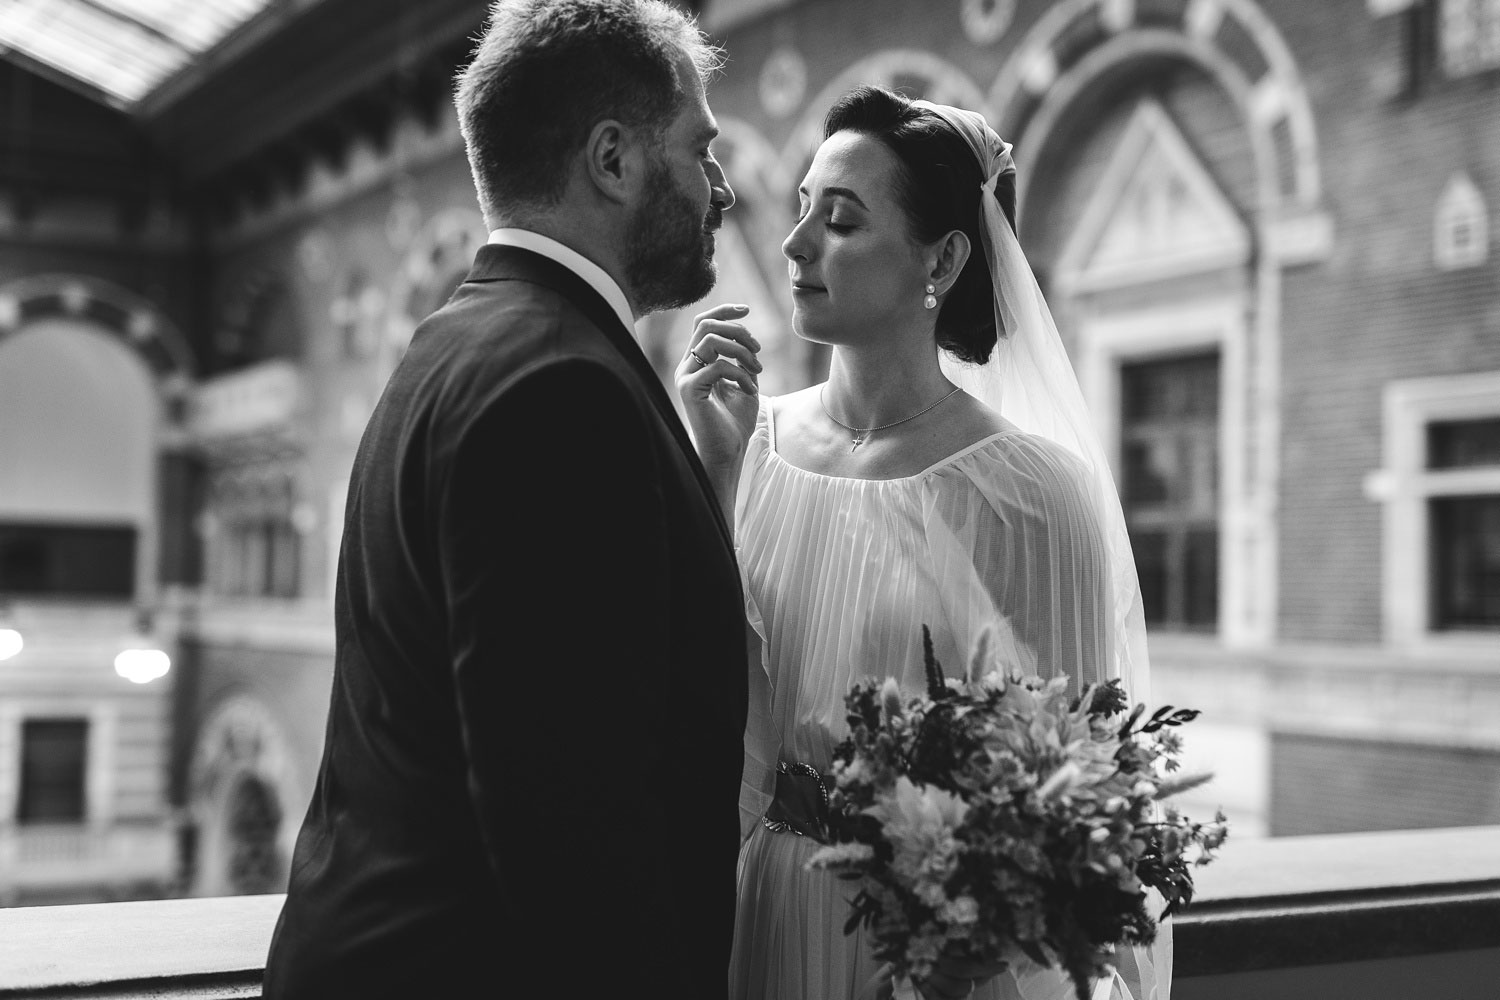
(931, 300)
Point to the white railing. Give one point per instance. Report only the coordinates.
(52, 858)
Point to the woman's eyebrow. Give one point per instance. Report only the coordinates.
(842, 192)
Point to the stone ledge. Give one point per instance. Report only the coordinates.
(1298, 901)
(197, 948)
(1267, 907)
(1214, 941)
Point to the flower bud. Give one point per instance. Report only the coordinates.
(890, 698)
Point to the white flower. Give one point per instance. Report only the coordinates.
(1062, 781)
(890, 698)
(913, 811)
(1178, 784)
(852, 773)
(992, 681)
(982, 659)
(919, 821)
(841, 855)
(962, 911)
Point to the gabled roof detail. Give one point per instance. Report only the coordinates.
(1156, 213)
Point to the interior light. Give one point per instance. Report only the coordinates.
(140, 666)
(10, 643)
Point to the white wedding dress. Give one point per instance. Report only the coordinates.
(841, 575)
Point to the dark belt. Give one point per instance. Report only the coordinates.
(800, 805)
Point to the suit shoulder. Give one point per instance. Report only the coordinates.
(486, 339)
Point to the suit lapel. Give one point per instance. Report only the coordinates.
(500, 263)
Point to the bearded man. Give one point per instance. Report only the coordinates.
(531, 769)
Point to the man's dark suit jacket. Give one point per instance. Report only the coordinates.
(531, 769)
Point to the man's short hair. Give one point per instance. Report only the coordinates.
(546, 71)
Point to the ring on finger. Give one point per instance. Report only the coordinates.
(693, 353)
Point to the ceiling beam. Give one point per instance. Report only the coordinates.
(339, 51)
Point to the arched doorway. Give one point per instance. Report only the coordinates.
(253, 820)
(242, 786)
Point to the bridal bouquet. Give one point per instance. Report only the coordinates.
(996, 817)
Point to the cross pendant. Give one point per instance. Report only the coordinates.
(857, 442)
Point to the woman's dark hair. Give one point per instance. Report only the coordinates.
(938, 186)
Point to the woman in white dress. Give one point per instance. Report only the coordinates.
(888, 498)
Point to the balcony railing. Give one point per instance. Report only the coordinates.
(62, 858)
(1378, 916)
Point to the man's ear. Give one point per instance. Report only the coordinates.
(611, 159)
(946, 260)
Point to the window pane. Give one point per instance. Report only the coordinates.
(1200, 473)
(1172, 387)
(285, 561)
(1169, 455)
(54, 755)
(1201, 595)
(1151, 566)
(124, 47)
(52, 559)
(253, 571)
(1466, 562)
(1459, 444)
(1149, 467)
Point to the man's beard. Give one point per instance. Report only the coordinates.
(670, 261)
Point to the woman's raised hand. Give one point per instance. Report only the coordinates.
(720, 392)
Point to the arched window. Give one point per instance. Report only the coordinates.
(356, 315)
(1460, 236)
(258, 546)
(75, 502)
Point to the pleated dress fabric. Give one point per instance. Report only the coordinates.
(841, 574)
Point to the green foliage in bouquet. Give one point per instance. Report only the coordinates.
(998, 816)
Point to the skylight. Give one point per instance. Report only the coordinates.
(123, 49)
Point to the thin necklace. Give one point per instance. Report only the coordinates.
(859, 434)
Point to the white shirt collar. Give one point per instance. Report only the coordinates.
(596, 276)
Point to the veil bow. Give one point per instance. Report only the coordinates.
(1030, 382)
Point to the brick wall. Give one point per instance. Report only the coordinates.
(1378, 309)
(1333, 784)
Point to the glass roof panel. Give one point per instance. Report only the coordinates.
(194, 24)
(123, 48)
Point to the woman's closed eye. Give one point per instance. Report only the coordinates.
(839, 225)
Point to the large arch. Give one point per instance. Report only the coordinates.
(1051, 66)
(92, 327)
(1078, 46)
(135, 321)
